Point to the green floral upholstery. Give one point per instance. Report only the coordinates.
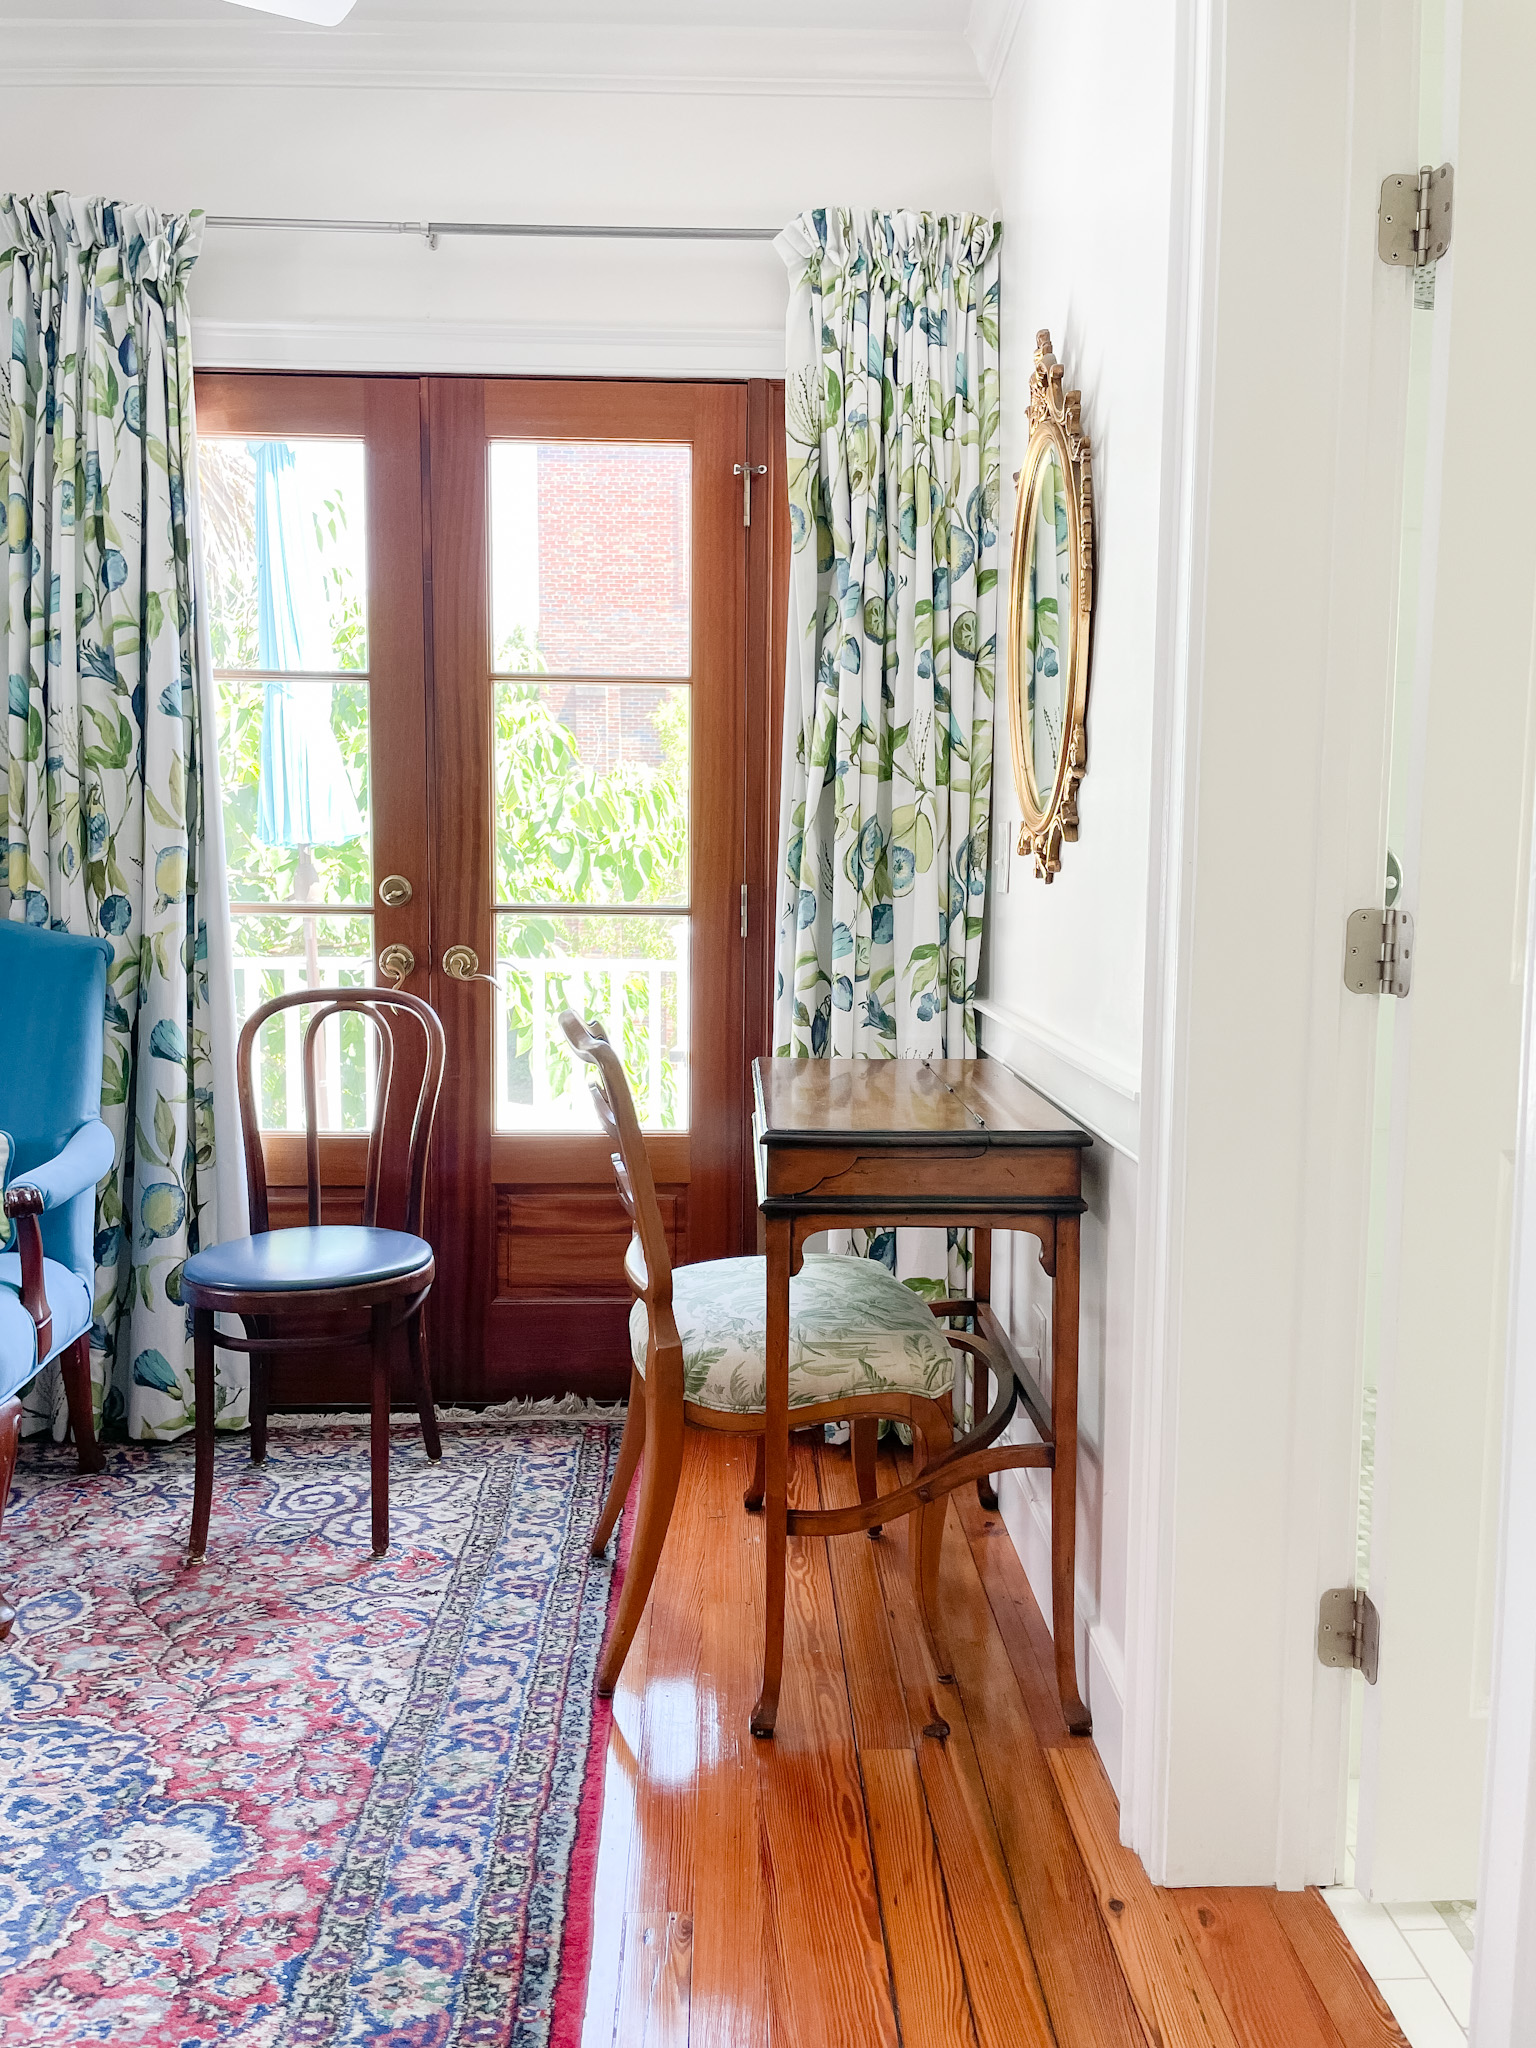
(853, 1329)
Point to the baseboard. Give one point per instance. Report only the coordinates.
(1100, 1661)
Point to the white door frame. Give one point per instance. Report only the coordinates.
(1257, 1063)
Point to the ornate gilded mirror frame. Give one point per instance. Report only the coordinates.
(1055, 430)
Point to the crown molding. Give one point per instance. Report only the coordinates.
(990, 30)
(485, 348)
(471, 56)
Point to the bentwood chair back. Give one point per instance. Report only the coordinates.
(300, 1290)
(861, 1346)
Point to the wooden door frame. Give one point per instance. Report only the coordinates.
(463, 415)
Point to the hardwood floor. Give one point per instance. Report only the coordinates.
(906, 1862)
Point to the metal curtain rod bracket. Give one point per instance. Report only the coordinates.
(431, 229)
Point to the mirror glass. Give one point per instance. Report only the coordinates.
(1047, 625)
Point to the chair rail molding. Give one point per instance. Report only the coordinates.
(1102, 1095)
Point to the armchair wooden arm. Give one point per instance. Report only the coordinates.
(24, 1205)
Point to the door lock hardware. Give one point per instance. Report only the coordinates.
(1413, 220)
(397, 962)
(1378, 952)
(462, 963)
(1349, 1632)
(746, 471)
(395, 891)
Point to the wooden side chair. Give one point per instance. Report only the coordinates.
(292, 1288)
(861, 1347)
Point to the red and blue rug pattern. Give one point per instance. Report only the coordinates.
(294, 1795)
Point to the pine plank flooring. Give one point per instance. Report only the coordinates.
(908, 1863)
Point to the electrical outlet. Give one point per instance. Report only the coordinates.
(1040, 1332)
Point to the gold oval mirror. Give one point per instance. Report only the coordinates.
(1050, 611)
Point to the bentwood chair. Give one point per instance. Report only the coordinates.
(292, 1287)
(861, 1347)
(54, 1148)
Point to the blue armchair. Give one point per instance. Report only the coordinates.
(54, 1148)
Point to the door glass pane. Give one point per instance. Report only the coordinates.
(590, 558)
(283, 532)
(293, 761)
(591, 793)
(274, 955)
(632, 972)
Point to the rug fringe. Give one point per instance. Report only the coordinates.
(557, 1408)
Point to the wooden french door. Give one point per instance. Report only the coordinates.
(588, 579)
(496, 665)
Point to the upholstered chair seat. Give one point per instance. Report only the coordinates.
(69, 1304)
(853, 1330)
(320, 1255)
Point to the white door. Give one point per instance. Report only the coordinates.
(1462, 778)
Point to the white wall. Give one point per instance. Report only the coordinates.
(1082, 147)
(323, 301)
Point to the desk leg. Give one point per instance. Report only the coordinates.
(1064, 1304)
(775, 1472)
(981, 1386)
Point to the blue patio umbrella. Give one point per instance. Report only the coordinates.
(304, 798)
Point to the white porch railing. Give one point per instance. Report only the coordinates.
(614, 990)
(259, 977)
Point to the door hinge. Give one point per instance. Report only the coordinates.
(743, 910)
(1413, 221)
(1349, 1632)
(746, 471)
(1378, 952)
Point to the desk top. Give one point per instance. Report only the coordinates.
(903, 1102)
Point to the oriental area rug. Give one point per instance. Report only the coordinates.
(294, 1795)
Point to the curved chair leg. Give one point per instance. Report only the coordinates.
(658, 1490)
(752, 1499)
(379, 1430)
(202, 1430)
(416, 1338)
(75, 1364)
(933, 1433)
(631, 1444)
(10, 1436)
(261, 1386)
(864, 1442)
(981, 1401)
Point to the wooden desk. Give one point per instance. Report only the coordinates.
(860, 1143)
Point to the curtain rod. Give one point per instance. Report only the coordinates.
(431, 229)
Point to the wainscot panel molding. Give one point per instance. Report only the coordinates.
(1026, 1515)
(423, 347)
(1105, 1098)
(486, 55)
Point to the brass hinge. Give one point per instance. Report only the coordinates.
(1378, 952)
(743, 910)
(746, 471)
(1413, 220)
(1349, 1632)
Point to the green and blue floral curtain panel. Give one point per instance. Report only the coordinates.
(891, 409)
(105, 747)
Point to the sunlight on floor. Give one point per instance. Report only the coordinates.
(1420, 1958)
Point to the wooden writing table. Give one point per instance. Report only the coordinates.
(860, 1143)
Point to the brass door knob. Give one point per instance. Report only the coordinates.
(395, 891)
(461, 962)
(395, 963)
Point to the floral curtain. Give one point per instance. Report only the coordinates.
(107, 741)
(891, 411)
